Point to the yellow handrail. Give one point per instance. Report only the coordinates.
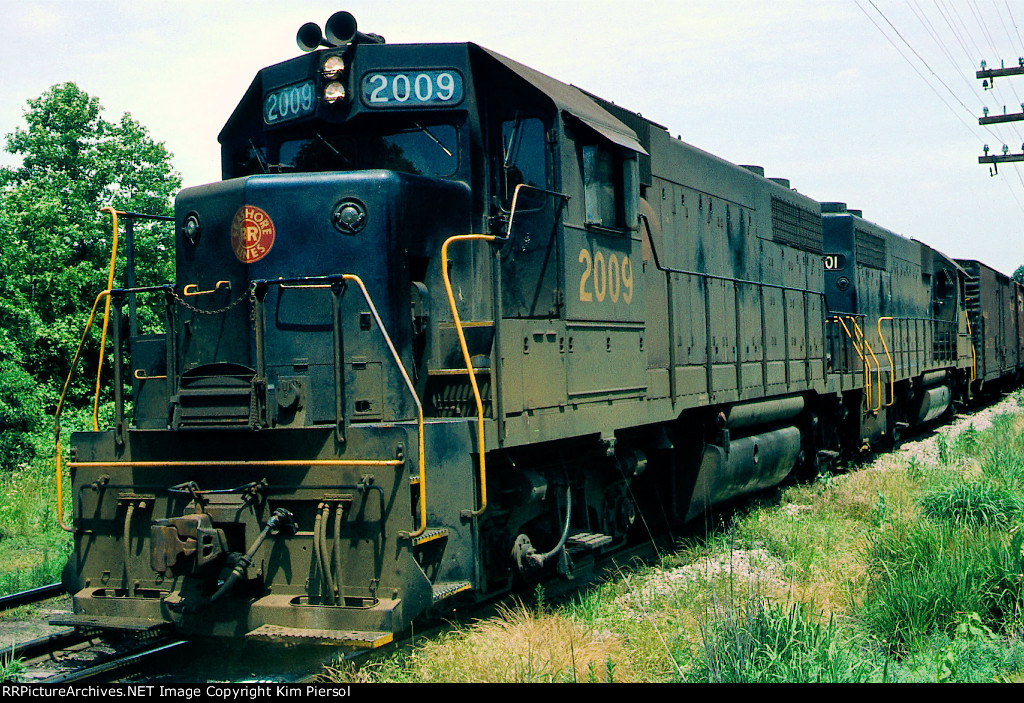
(974, 353)
(469, 363)
(856, 348)
(192, 289)
(892, 368)
(60, 405)
(878, 366)
(106, 320)
(863, 358)
(297, 462)
(219, 463)
(412, 389)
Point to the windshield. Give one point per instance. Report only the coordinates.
(424, 150)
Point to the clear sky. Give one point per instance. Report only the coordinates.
(823, 92)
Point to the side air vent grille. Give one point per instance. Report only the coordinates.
(870, 249)
(796, 226)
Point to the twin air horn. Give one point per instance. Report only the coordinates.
(340, 30)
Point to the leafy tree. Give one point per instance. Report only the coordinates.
(1018, 275)
(55, 245)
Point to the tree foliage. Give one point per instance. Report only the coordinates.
(55, 245)
(1018, 275)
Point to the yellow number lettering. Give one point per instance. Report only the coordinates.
(627, 280)
(613, 278)
(584, 258)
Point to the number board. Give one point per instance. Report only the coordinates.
(289, 103)
(835, 262)
(412, 89)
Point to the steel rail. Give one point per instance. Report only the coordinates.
(47, 644)
(32, 595)
(126, 662)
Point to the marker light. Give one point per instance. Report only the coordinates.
(334, 91)
(333, 67)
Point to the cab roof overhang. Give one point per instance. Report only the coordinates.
(574, 102)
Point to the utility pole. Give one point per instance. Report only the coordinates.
(988, 76)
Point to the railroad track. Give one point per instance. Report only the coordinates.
(75, 655)
(92, 655)
(72, 655)
(33, 595)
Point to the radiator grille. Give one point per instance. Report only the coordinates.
(870, 249)
(796, 226)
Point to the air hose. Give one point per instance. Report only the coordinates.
(281, 519)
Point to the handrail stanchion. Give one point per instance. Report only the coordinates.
(60, 406)
(481, 448)
(856, 347)
(878, 366)
(416, 399)
(106, 320)
(892, 368)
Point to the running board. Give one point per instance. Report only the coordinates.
(447, 590)
(303, 635)
(587, 541)
(106, 622)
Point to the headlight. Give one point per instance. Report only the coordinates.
(334, 91)
(333, 67)
(349, 216)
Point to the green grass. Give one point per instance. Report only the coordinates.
(10, 668)
(39, 565)
(973, 504)
(925, 575)
(33, 548)
(971, 654)
(759, 641)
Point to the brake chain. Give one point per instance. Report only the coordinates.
(249, 293)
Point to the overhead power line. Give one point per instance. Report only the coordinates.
(960, 34)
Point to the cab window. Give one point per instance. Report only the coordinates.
(523, 160)
(609, 182)
(602, 184)
(424, 150)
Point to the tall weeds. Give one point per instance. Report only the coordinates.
(924, 575)
(758, 641)
(961, 555)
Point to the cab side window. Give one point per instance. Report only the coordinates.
(602, 183)
(944, 294)
(523, 159)
(609, 184)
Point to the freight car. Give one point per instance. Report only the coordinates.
(449, 324)
(995, 308)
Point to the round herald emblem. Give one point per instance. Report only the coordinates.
(252, 234)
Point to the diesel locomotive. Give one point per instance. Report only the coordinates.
(448, 324)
